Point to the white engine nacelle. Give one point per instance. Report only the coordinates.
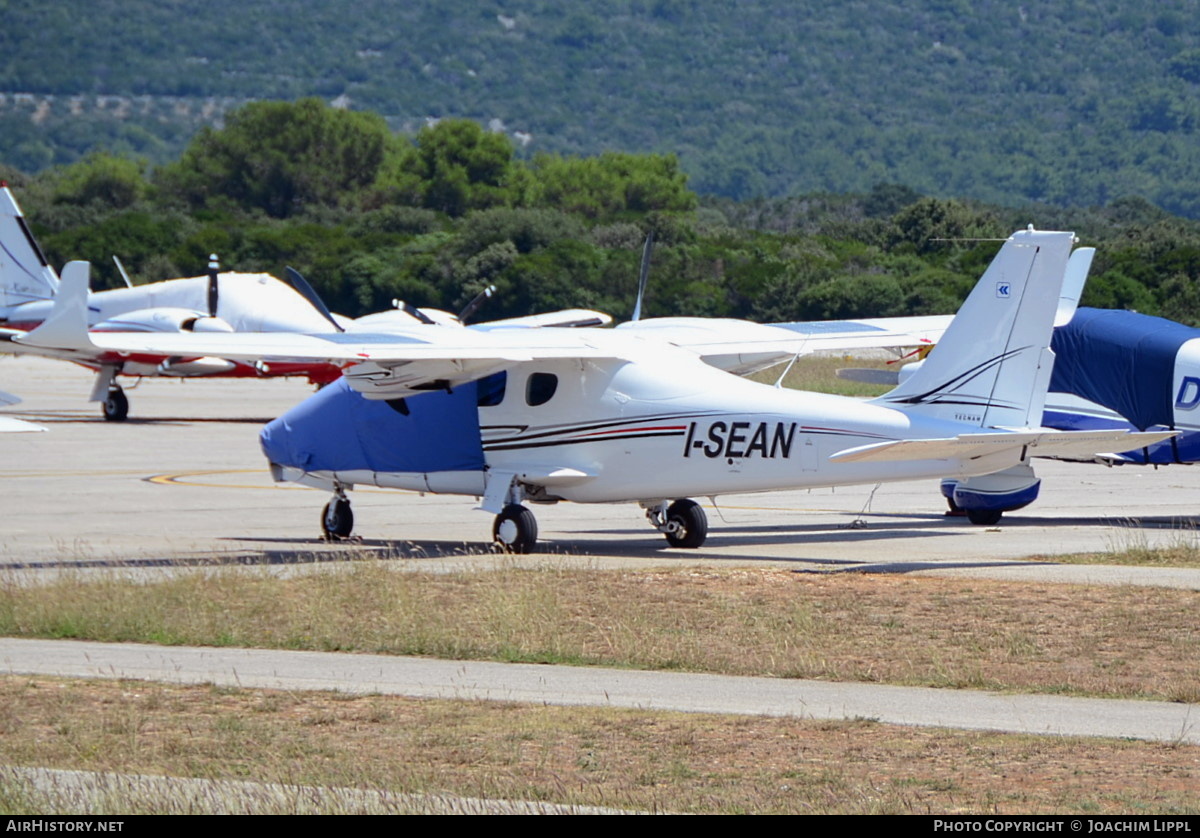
(163, 319)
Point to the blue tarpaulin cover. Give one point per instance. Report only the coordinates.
(1122, 360)
(336, 429)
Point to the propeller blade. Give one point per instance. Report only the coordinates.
(213, 291)
(644, 274)
(474, 305)
(300, 286)
(412, 311)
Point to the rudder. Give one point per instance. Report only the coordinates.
(25, 275)
(992, 366)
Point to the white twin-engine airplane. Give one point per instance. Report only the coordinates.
(640, 413)
(218, 302)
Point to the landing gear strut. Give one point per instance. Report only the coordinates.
(515, 529)
(337, 518)
(683, 522)
(115, 404)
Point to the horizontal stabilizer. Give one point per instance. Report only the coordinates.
(1066, 444)
(9, 425)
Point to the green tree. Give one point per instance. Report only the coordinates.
(612, 185)
(282, 157)
(457, 166)
(100, 178)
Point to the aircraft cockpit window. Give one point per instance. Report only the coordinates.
(490, 390)
(540, 388)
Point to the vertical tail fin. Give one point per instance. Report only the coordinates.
(24, 273)
(992, 366)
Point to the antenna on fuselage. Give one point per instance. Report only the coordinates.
(642, 276)
(121, 269)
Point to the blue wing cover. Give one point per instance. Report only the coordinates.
(337, 429)
(1122, 360)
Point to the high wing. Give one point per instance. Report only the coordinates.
(411, 360)
(414, 359)
(742, 347)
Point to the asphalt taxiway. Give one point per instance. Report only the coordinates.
(183, 482)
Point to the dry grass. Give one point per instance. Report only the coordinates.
(818, 373)
(577, 756)
(1078, 640)
(1132, 547)
(1187, 556)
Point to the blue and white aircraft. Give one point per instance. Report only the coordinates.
(1112, 370)
(511, 415)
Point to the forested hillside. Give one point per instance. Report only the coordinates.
(1073, 103)
(369, 216)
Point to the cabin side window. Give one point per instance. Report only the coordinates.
(489, 391)
(540, 388)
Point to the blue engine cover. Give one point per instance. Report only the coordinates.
(336, 429)
(965, 498)
(1122, 360)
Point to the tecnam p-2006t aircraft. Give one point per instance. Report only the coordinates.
(631, 415)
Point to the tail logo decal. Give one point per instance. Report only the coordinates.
(938, 394)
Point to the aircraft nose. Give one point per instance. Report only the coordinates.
(337, 429)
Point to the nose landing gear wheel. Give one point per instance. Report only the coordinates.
(688, 524)
(337, 519)
(116, 405)
(515, 529)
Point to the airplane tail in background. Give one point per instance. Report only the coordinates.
(25, 275)
(992, 367)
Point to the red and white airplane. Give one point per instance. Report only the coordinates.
(217, 302)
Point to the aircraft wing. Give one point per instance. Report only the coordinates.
(1086, 445)
(384, 366)
(742, 347)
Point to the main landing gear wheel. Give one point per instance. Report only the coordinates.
(515, 529)
(687, 525)
(337, 519)
(984, 517)
(116, 405)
